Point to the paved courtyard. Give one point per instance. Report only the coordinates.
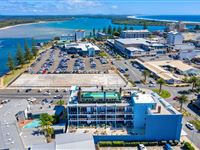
(67, 80)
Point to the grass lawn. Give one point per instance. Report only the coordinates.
(163, 94)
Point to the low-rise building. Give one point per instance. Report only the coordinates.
(172, 71)
(188, 54)
(135, 34)
(135, 47)
(84, 49)
(76, 36)
(174, 38)
(111, 115)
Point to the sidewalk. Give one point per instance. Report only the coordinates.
(184, 138)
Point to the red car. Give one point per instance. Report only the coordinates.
(175, 98)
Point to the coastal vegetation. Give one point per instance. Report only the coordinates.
(141, 22)
(16, 20)
(20, 63)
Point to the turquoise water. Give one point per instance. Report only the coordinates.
(9, 38)
(32, 124)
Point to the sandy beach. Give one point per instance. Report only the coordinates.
(8, 27)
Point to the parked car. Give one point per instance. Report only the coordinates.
(175, 98)
(142, 147)
(190, 126)
(152, 85)
(167, 147)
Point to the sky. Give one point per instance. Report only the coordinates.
(76, 7)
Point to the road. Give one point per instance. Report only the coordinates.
(14, 94)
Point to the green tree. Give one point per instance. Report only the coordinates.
(109, 31)
(90, 34)
(145, 26)
(61, 102)
(104, 30)
(114, 30)
(28, 55)
(125, 28)
(57, 38)
(197, 27)
(46, 121)
(34, 51)
(160, 82)
(131, 28)
(94, 32)
(185, 80)
(182, 99)
(20, 56)
(116, 33)
(10, 63)
(194, 81)
(145, 74)
(119, 29)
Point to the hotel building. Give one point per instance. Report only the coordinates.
(135, 34)
(140, 116)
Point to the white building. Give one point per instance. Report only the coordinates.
(135, 34)
(136, 47)
(174, 38)
(84, 49)
(171, 27)
(189, 54)
(181, 26)
(77, 35)
(67, 37)
(80, 34)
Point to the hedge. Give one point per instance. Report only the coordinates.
(188, 146)
(134, 143)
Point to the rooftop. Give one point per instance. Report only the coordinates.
(140, 98)
(132, 41)
(82, 46)
(9, 133)
(77, 141)
(136, 31)
(134, 49)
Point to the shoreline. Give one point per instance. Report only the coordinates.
(162, 20)
(17, 25)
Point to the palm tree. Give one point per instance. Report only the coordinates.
(182, 99)
(194, 81)
(160, 82)
(145, 73)
(46, 121)
(185, 80)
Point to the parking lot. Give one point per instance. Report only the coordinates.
(55, 61)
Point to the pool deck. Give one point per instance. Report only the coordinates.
(23, 123)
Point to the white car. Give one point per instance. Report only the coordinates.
(47, 93)
(190, 126)
(152, 85)
(142, 147)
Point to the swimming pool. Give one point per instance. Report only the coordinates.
(32, 124)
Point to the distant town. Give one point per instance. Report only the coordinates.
(112, 88)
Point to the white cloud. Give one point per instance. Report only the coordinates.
(114, 6)
(81, 3)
